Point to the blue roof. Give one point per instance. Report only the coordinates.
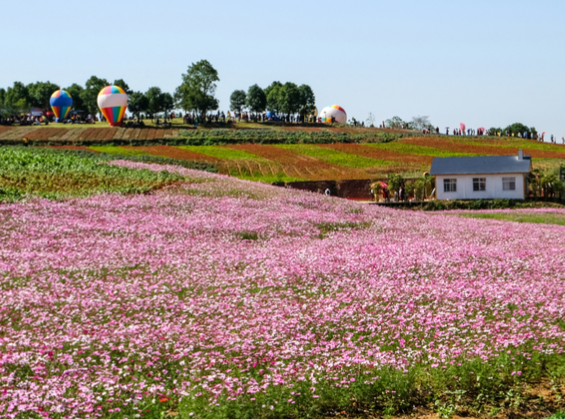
(480, 165)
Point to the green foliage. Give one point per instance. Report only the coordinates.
(17, 98)
(395, 182)
(307, 100)
(336, 157)
(518, 128)
(167, 103)
(121, 83)
(256, 99)
(131, 154)
(397, 123)
(89, 95)
(40, 94)
(519, 217)
(59, 175)
(154, 97)
(75, 90)
(238, 100)
(138, 103)
(264, 136)
(289, 98)
(196, 93)
(273, 94)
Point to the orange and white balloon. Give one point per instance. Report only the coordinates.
(335, 111)
(113, 102)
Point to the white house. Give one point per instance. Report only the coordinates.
(487, 177)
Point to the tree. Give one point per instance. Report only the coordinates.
(519, 128)
(167, 103)
(40, 94)
(2, 97)
(289, 98)
(273, 94)
(237, 100)
(256, 99)
(420, 122)
(154, 101)
(307, 100)
(395, 122)
(75, 90)
(121, 83)
(89, 95)
(196, 93)
(371, 120)
(17, 97)
(138, 103)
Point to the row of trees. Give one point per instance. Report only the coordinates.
(418, 123)
(195, 94)
(20, 98)
(279, 98)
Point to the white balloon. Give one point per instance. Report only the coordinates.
(333, 111)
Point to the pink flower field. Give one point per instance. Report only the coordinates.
(226, 298)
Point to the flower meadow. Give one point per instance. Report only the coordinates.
(226, 298)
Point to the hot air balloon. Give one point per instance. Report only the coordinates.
(113, 101)
(335, 111)
(61, 103)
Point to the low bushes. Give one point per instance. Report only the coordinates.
(261, 136)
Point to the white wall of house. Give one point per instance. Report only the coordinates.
(493, 190)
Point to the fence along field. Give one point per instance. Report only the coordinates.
(212, 298)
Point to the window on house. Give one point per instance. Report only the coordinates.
(508, 183)
(450, 185)
(479, 184)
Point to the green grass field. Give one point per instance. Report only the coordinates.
(520, 217)
(336, 157)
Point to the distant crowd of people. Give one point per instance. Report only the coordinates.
(229, 117)
(23, 120)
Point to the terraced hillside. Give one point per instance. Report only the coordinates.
(274, 153)
(292, 162)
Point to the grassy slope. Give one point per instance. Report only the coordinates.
(58, 175)
(336, 157)
(521, 217)
(249, 166)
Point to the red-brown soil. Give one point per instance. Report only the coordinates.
(300, 166)
(380, 154)
(175, 153)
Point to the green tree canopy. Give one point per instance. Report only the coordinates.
(307, 100)
(2, 97)
(121, 83)
(256, 99)
(138, 103)
(237, 100)
(196, 93)
(396, 122)
(40, 94)
(290, 98)
(17, 97)
(154, 101)
(274, 99)
(89, 95)
(75, 90)
(519, 128)
(167, 103)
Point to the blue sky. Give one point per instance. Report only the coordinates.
(484, 63)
